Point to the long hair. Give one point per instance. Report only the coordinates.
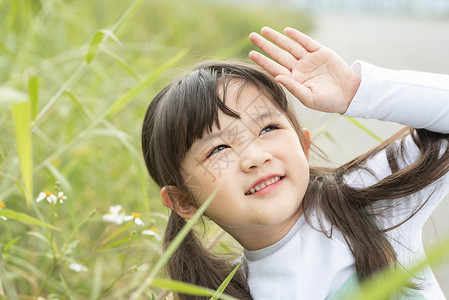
(187, 108)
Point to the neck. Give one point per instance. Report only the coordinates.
(259, 237)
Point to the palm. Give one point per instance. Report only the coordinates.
(316, 75)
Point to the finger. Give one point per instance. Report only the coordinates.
(308, 43)
(268, 65)
(277, 53)
(298, 90)
(292, 46)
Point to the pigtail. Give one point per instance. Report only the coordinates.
(193, 263)
(350, 209)
(345, 210)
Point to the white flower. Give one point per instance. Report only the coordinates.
(139, 222)
(152, 232)
(61, 197)
(116, 209)
(51, 198)
(115, 215)
(136, 217)
(77, 267)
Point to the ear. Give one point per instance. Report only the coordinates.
(175, 199)
(307, 142)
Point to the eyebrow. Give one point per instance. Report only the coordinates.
(257, 119)
(261, 117)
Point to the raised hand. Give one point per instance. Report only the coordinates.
(314, 74)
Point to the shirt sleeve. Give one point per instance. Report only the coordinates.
(415, 99)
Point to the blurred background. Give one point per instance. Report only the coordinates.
(88, 70)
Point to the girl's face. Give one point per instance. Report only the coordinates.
(261, 165)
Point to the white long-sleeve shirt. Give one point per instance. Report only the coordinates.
(305, 264)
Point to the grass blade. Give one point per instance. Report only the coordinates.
(122, 101)
(92, 49)
(122, 63)
(24, 218)
(6, 282)
(66, 86)
(323, 129)
(186, 288)
(66, 287)
(65, 184)
(22, 122)
(128, 13)
(174, 245)
(33, 93)
(366, 130)
(222, 287)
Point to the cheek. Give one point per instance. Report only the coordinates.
(194, 185)
(218, 166)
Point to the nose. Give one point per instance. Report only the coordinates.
(253, 157)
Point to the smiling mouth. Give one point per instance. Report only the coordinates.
(263, 185)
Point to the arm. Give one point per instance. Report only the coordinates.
(415, 99)
(321, 80)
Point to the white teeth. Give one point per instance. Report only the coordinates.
(263, 185)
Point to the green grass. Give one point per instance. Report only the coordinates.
(76, 78)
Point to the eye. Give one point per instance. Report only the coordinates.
(268, 128)
(217, 149)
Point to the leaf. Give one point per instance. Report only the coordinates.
(122, 101)
(10, 244)
(22, 124)
(366, 130)
(40, 236)
(78, 104)
(116, 233)
(67, 289)
(118, 243)
(33, 93)
(325, 126)
(24, 218)
(111, 34)
(175, 244)
(125, 17)
(225, 283)
(186, 288)
(122, 63)
(92, 49)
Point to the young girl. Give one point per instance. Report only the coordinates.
(307, 232)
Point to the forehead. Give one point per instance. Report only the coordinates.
(246, 98)
(254, 108)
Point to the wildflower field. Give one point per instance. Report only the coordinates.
(79, 216)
